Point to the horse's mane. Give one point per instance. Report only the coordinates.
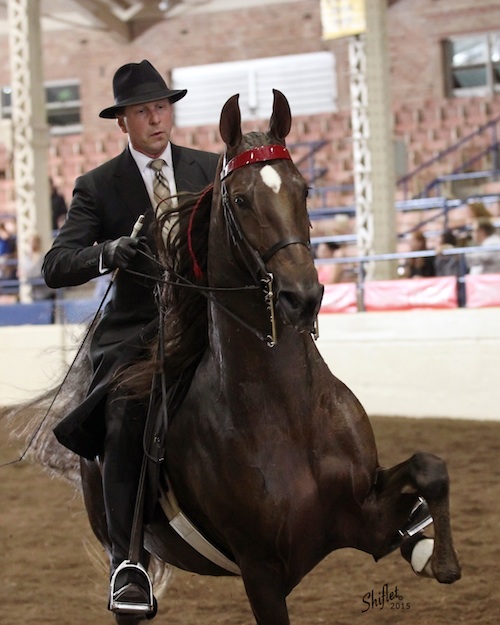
(183, 307)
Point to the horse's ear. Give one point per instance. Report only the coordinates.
(281, 119)
(230, 122)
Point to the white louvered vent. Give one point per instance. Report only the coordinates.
(307, 80)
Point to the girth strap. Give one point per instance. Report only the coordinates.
(186, 530)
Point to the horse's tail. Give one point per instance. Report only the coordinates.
(32, 422)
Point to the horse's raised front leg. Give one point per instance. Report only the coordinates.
(397, 490)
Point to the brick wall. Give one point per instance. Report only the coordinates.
(424, 119)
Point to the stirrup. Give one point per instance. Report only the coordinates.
(124, 607)
(419, 519)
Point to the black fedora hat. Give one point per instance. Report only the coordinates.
(138, 83)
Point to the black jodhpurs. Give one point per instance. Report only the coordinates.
(123, 453)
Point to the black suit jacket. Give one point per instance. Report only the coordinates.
(106, 204)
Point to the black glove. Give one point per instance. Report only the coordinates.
(118, 254)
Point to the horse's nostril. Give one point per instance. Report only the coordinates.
(291, 300)
(300, 308)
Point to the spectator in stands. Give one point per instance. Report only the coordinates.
(58, 206)
(329, 273)
(8, 250)
(477, 209)
(423, 266)
(484, 235)
(449, 265)
(30, 269)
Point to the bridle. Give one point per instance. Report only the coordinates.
(261, 154)
(255, 261)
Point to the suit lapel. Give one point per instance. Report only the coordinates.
(131, 191)
(188, 174)
(130, 186)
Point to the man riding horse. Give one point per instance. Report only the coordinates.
(109, 424)
(95, 240)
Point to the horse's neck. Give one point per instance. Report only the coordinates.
(240, 347)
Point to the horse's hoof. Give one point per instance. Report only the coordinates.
(449, 572)
(424, 565)
(126, 619)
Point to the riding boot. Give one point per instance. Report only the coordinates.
(123, 454)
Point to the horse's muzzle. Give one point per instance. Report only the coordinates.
(300, 307)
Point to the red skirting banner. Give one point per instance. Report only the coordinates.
(482, 290)
(339, 298)
(411, 293)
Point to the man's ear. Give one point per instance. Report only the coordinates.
(120, 120)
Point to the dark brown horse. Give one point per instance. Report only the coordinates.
(269, 455)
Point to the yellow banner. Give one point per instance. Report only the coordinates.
(341, 18)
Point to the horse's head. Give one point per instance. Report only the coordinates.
(263, 197)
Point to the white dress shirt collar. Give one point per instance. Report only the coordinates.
(143, 160)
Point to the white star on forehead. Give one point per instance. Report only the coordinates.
(271, 178)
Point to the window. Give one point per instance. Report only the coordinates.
(473, 63)
(63, 106)
(307, 80)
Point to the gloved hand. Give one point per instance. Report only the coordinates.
(117, 254)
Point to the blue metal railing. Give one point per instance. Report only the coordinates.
(306, 163)
(62, 310)
(491, 126)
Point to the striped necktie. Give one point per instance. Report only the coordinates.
(161, 188)
(161, 192)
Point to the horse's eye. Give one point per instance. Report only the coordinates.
(239, 201)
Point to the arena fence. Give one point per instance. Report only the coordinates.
(461, 291)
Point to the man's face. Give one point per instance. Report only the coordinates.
(148, 126)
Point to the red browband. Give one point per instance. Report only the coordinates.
(255, 155)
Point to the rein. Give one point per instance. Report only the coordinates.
(208, 293)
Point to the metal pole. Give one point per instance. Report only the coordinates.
(30, 131)
(374, 170)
